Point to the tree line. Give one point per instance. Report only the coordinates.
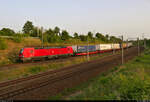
(56, 35)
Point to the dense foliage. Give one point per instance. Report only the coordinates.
(56, 35)
(7, 32)
(28, 27)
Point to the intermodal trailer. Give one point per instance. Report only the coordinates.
(116, 46)
(38, 53)
(104, 48)
(84, 50)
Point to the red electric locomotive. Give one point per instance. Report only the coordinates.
(49, 52)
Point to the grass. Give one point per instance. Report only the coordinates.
(17, 38)
(35, 69)
(130, 81)
(3, 44)
(9, 55)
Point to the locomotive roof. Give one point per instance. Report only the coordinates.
(46, 47)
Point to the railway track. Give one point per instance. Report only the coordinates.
(3, 84)
(50, 77)
(37, 75)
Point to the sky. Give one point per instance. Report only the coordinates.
(129, 18)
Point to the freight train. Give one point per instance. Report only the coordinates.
(29, 54)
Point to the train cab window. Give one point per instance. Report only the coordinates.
(21, 51)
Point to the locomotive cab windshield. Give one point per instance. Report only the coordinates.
(21, 51)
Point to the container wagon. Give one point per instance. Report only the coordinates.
(84, 50)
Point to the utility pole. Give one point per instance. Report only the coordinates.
(122, 51)
(113, 47)
(94, 35)
(88, 49)
(144, 43)
(42, 36)
(138, 46)
(127, 44)
(144, 40)
(37, 32)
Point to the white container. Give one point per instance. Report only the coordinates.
(97, 47)
(115, 46)
(104, 47)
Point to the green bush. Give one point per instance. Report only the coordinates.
(25, 35)
(133, 87)
(18, 38)
(36, 69)
(7, 32)
(13, 56)
(3, 44)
